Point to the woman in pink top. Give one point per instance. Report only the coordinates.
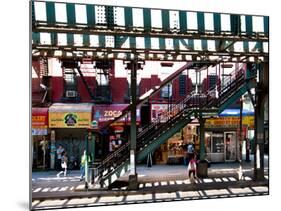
(192, 168)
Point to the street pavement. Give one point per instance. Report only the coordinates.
(157, 183)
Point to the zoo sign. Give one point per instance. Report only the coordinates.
(69, 119)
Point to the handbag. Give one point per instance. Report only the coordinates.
(63, 165)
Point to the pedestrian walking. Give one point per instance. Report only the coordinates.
(192, 169)
(112, 144)
(64, 160)
(83, 164)
(119, 140)
(190, 152)
(60, 150)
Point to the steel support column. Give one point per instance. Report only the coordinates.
(202, 170)
(202, 138)
(261, 90)
(133, 177)
(240, 142)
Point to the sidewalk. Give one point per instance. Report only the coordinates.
(148, 192)
(158, 178)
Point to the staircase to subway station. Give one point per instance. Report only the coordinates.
(170, 122)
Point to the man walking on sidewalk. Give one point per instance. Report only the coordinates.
(83, 164)
(64, 160)
(60, 150)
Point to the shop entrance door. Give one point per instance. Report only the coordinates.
(230, 146)
(217, 147)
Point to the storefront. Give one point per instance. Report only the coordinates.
(117, 131)
(68, 124)
(40, 138)
(174, 150)
(222, 137)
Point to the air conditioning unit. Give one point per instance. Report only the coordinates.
(71, 93)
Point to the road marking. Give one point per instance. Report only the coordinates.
(37, 190)
(156, 184)
(148, 184)
(179, 182)
(225, 179)
(64, 188)
(172, 182)
(248, 178)
(207, 180)
(232, 179)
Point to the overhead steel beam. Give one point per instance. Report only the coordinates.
(139, 33)
(160, 55)
(123, 18)
(164, 34)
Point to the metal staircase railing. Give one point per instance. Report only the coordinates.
(181, 110)
(151, 92)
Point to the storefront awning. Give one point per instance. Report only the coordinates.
(70, 107)
(105, 113)
(67, 115)
(236, 112)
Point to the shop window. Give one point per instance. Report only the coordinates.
(103, 91)
(70, 83)
(182, 85)
(218, 143)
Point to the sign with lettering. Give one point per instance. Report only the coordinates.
(229, 122)
(105, 113)
(39, 118)
(69, 119)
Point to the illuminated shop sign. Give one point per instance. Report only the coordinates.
(39, 118)
(105, 113)
(229, 122)
(69, 119)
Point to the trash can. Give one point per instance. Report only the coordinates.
(94, 172)
(202, 168)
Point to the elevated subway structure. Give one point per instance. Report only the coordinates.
(111, 32)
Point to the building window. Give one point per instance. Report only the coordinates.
(182, 85)
(102, 77)
(166, 91)
(212, 81)
(70, 80)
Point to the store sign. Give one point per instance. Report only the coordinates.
(105, 113)
(39, 121)
(39, 132)
(229, 122)
(69, 119)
